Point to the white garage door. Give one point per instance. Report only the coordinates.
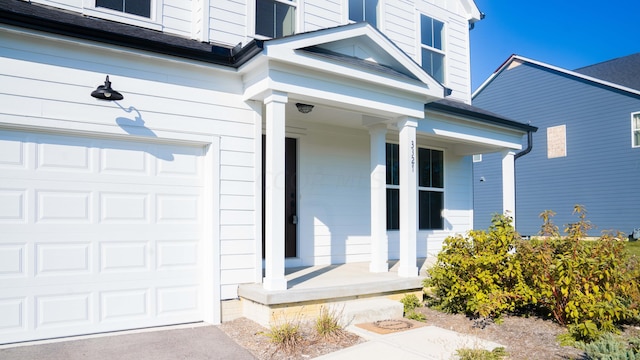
(97, 235)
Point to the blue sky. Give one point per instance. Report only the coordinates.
(564, 33)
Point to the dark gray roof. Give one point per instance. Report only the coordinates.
(624, 71)
(477, 114)
(53, 20)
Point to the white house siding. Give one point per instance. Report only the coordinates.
(177, 102)
(400, 25)
(319, 14)
(228, 22)
(457, 51)
(334, 195)
(177, 16)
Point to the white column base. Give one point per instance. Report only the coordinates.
(274, 284)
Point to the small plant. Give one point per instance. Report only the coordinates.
(611, 347)
(411, 302)
(328, 323)
(285, 334)
(481, 354)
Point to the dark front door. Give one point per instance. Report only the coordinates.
(291, 197)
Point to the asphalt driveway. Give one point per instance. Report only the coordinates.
(192, 343)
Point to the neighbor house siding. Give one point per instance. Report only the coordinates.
(600, 168)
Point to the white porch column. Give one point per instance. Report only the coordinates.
(275, 194)
(379, 241)
(408, 193)
(509, 185)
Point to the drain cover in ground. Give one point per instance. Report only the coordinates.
(391, 325)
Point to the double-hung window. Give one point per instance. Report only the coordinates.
(275, 18)
(635, 129)
(432, 46)
(134, 7)
(430, 188)
(364, 10)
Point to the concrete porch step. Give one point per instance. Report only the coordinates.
(371, 310)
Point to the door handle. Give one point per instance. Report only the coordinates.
(294, 219)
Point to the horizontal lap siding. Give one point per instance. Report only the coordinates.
(319, 14)
(600, 170)
(400, 25)
(177, 17)
(228, 21)
(334, 196)
(51, 87)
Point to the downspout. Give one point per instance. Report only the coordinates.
(529, 146)
(515, 157)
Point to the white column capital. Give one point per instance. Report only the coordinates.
(276, 96)
(407, 121)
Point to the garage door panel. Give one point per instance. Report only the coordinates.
(97, 235)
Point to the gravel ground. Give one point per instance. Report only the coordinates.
(523, 338)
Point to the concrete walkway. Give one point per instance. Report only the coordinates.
(429, 342)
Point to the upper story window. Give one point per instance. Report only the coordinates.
(432, 44)
(635, 129)
(134, 7)
(275, 18)
(430, 188)
(364, 10)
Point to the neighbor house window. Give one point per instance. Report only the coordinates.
(635, 129)
(430, 188)
(432, 45)
(134, 7)
(364, 10)
(275, 18)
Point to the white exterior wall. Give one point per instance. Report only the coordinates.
(229, 21)
(319, 14)
(334, 197)
(179, 103)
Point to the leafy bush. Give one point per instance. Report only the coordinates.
(411, 302)
(589, 286)
(585, 285)
(478, 274)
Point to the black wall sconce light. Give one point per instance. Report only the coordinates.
(105, 92)
(304, 108)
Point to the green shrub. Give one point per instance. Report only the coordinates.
(411, 302)
(610, 347)
(478, 274)
(585, 285)
(589, 286)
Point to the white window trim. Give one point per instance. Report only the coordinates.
(380, 14)
(633, 129)
(445, 44)
(154, 23)
(251, 19)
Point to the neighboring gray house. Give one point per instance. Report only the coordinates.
(586, 152)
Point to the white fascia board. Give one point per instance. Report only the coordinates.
(474, 133)
(514, 57)
(473, 14)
